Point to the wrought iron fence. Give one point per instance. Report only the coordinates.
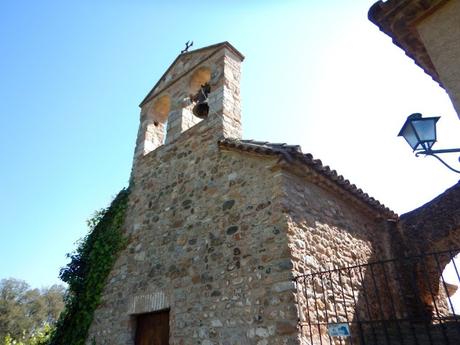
(404, 301)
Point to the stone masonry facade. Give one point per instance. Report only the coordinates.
(218, 226)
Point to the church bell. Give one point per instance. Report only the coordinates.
(201, 110)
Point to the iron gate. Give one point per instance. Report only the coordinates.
(402, 301)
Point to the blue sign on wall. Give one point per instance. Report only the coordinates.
(338, 330)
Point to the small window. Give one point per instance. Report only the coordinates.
(152, 328)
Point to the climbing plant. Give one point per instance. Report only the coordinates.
(88, 270)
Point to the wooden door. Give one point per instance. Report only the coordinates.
(153, 328)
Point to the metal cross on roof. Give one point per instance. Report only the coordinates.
(188, 44)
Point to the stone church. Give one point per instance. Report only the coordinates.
(220, 227)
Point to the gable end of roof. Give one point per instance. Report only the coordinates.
(213, 48)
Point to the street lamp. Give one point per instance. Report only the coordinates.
(420, 134)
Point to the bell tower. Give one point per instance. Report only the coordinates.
(200, 88)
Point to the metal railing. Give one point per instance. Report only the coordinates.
(402, 301)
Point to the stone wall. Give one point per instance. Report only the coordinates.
(217, 236)
(207, 240)
(325, 232)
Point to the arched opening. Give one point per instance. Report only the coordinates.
(200, 77)
(433, 233)
(437, 279)
(451, 280)
(156, 123)
(199, 89)
(160, 109)
(189, 104)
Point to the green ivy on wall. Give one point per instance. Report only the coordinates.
(87, 272)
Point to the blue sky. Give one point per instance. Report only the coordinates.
(317, 73)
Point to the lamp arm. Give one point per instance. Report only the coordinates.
(433, 154)
(443, 151)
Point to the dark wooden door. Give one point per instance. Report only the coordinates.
(153, 328)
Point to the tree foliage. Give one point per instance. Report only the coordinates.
(24, 312)
(40, 337)
(88, 270)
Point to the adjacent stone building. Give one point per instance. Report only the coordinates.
(429, 32)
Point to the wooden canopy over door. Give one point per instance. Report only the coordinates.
(153, 328)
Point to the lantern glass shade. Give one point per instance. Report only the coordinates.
(420, 133)
(408, 133)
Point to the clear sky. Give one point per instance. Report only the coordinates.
(317, 73)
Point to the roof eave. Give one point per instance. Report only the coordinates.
(398, 19)
(293, 155)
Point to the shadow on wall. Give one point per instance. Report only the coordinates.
(402, 300)
(431, 228)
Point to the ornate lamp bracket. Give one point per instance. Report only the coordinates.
(434, 153)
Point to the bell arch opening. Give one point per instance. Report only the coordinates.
(195, 108)
(156, 123)
(200, 77)
(199, 88)
(160, 109)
